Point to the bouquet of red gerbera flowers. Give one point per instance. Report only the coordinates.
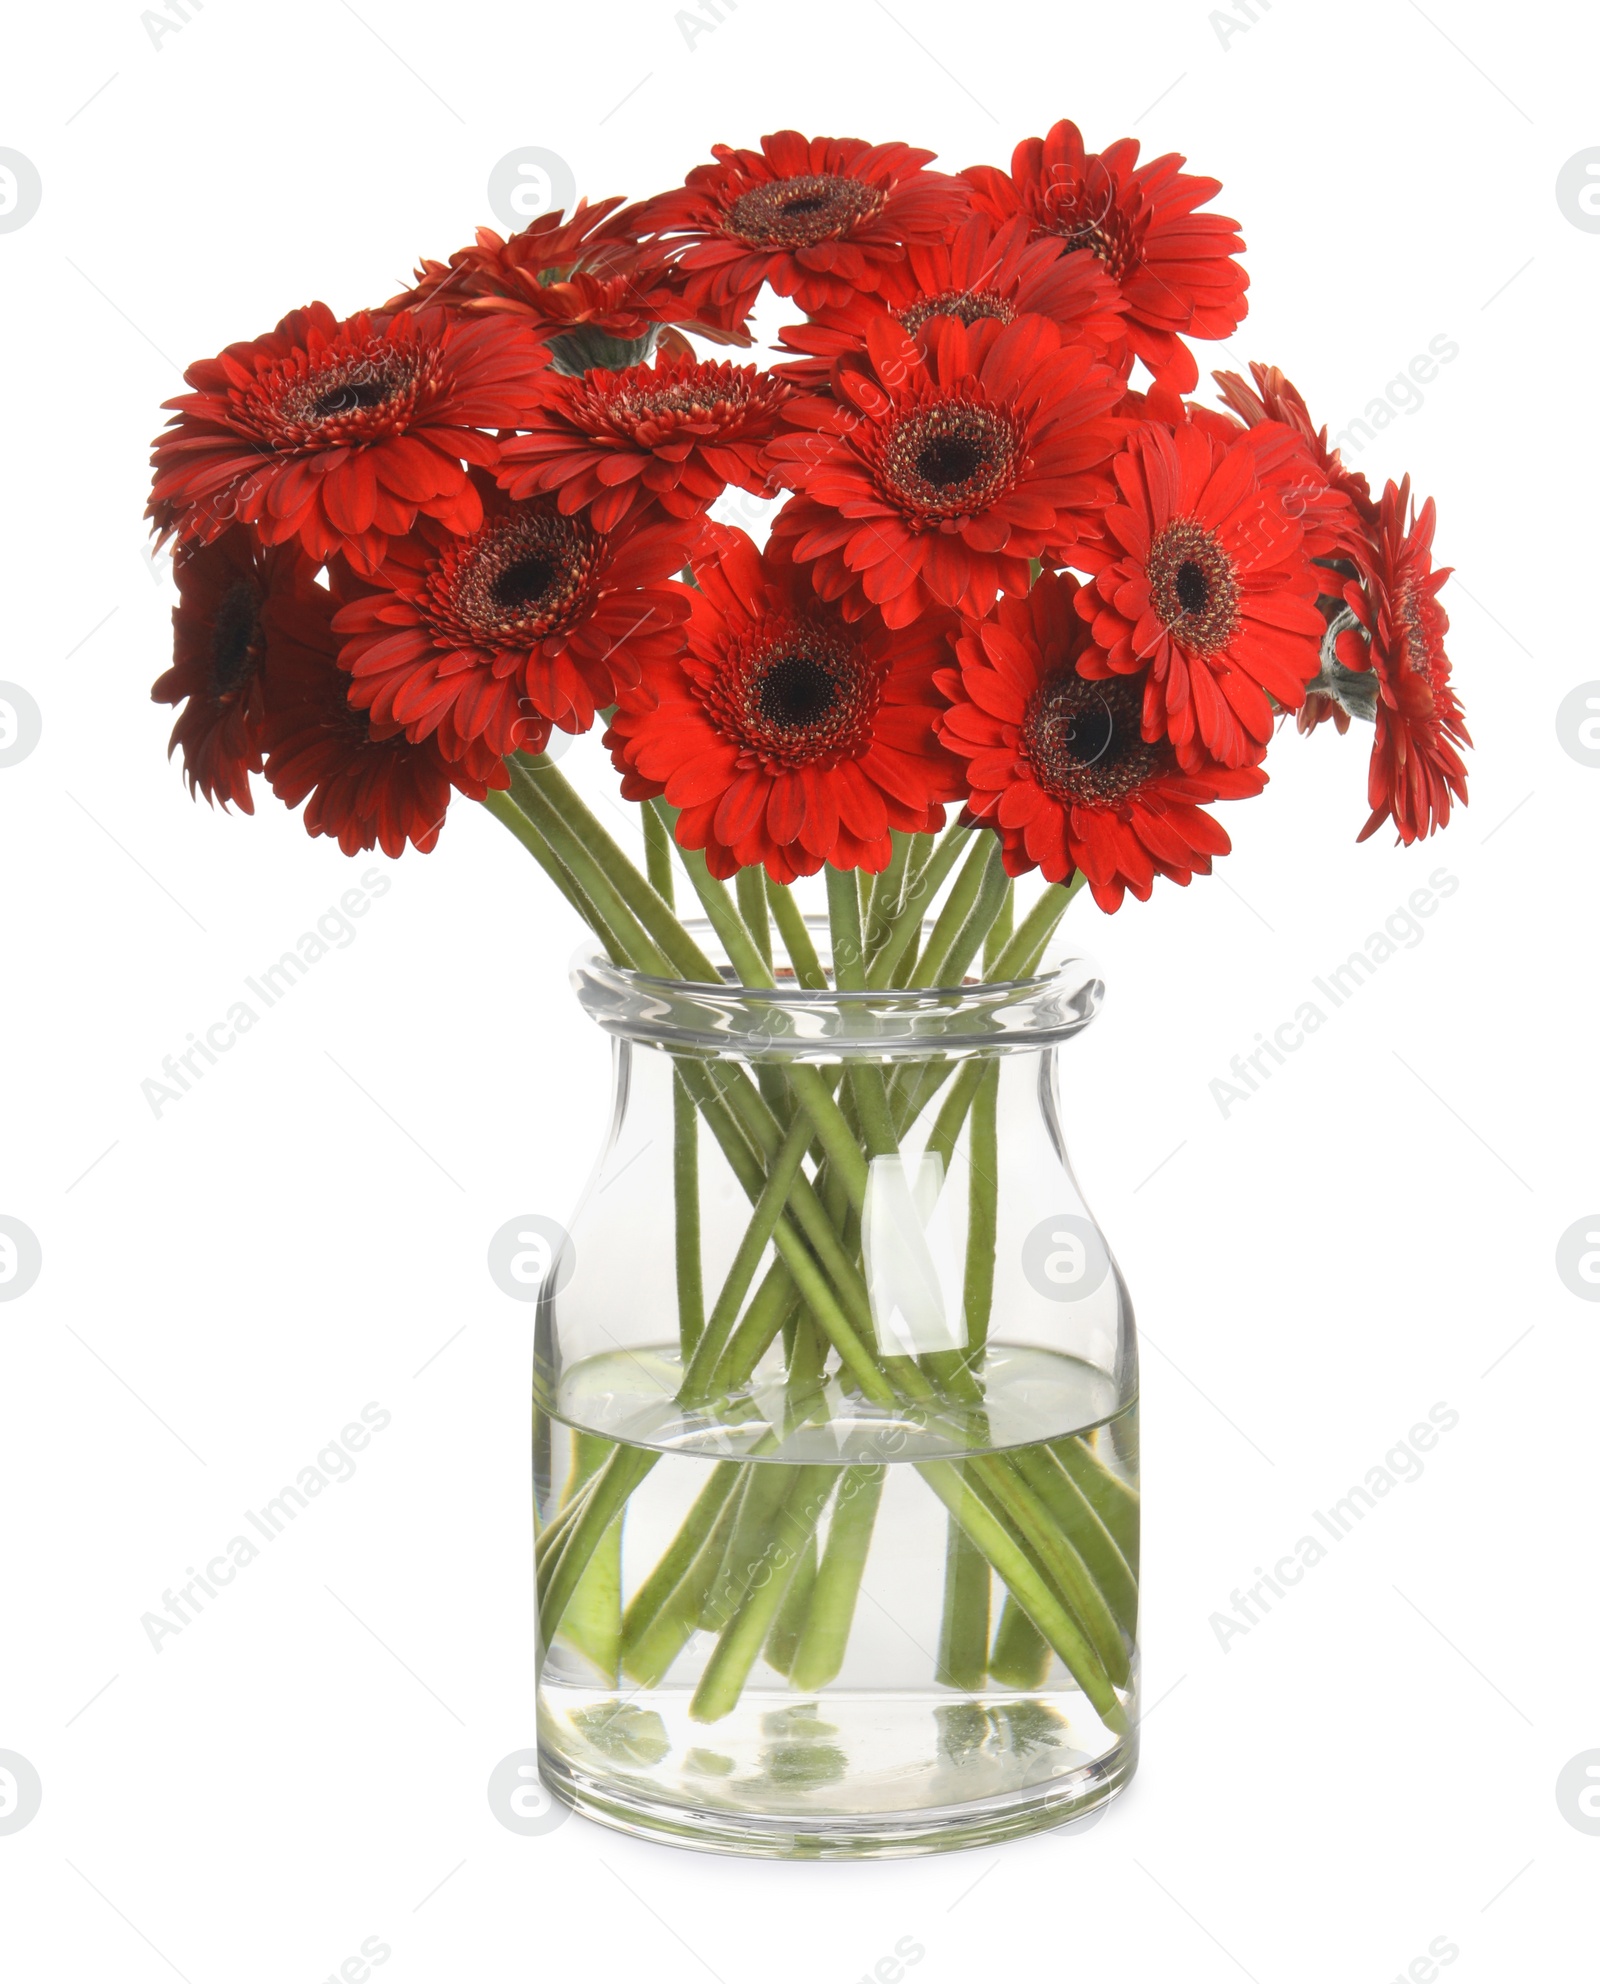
(1004, 577)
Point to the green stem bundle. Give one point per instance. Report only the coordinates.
(771, 1555)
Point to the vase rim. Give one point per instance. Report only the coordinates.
(791, 1022)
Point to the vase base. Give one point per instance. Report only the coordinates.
(1076, 1797)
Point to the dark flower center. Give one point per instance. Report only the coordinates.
(972, 306)
(794, 213)
(946, 459)
(351, 396)
(522, 584)
(1083, 739)
(950, 459)
(523, 576)
(354, 396)
(236, 639)
(1088, 218)
(1193, 587)
(797, 693)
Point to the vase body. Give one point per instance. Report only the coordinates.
(836, 1508)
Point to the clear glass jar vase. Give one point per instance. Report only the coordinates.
(835, 1427)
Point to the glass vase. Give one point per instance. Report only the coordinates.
(835, 1427)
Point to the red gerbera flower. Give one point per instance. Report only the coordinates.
(1346, 510)
(816, 218)
(945, 463)
(788, 735)
(677, 433)
(241, 607)
(1204, 582)
(1057, 761)
(535, 618)
(1286, 467)
(985, 271)
(1400, 630)
(1174, 266)
(342, 434)
(365, 784)
(571, 281)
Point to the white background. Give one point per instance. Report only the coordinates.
(1371, 1768)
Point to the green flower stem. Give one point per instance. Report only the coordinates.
(750, 887)
(820, 1652)
(784, 1637)
(533, 797)
(867, 1084)
(654, 1636)
(773, 1308)
(764, 1137)
(930, 1076)
(950, 1481)
(657, 853)
(810, 1087)
(593, 1618)
(719, 906)
(1113, 1501)
(994, 895)
(506, 810)
(833, 1133)
(1001, 928)
(920, 892)
(614, 1483)
(914, 1081)
(888, 890)
(658, 942)
(713, 1613)
(817, 1289)
(964, 1622)
(1021, 1656)
(725, 1312)
(994, 891)
(997, 1478)
(667, 934)
(983, 1160)
(922, 846)
(814, 1287)
(675, 1560)
(762, 1569)
(686, 1218)
(797, 939)
(844, 927)
(713, 1090)
(547, 1545)
(1072, 1510)
(958, 906)
(1034, 932)
(946, 1131)
(808, 1359)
